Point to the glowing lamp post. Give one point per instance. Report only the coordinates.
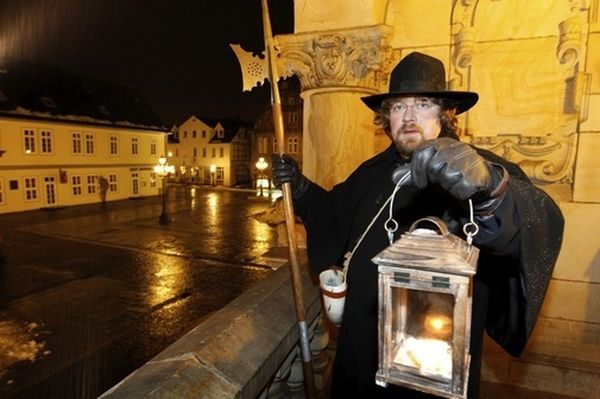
(163, 169)
(261, 165)
(425, 294)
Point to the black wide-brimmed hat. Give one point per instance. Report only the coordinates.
(421, 75)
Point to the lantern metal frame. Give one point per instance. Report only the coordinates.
(433, 264)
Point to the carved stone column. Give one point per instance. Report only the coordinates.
(335, 69)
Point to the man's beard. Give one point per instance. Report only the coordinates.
(406, 143)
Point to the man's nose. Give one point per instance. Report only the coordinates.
(409, 113)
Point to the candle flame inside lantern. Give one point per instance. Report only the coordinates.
(438, 326)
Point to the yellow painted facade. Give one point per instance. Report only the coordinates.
(50, 164)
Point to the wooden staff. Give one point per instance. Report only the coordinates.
(307, 367)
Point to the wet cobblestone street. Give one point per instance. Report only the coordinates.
(89, 293)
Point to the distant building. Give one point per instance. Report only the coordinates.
(206, 151)
(61, 132)
(264, 142)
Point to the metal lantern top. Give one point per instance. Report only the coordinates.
(426, 250)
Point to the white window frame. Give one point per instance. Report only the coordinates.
(113, 182)
(90, 143)
(76, 143)
(29, 141)
(153, 147)
(91, 182)
(113, 145)
(76, 186)
(135, 145)
(31, 188)
(46, 142)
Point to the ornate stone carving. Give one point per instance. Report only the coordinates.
(350, 58)
(463, 41)
(569, 41)
(546, 159)
(464, 46)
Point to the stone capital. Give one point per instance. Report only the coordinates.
(358, 58)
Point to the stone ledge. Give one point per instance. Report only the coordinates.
(232, 354)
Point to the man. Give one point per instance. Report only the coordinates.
(520, 227)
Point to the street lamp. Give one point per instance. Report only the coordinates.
(163, 169)
(213, 169)
(261, 165)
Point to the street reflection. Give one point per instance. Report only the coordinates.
(19, 342)
(212, 201)
(166, 281)
(262, 234)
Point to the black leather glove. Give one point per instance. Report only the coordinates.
(286, 170)
(458, 169)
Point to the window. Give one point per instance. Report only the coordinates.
(112, 182)
(152, 179)
(76, 143)
(29, 138)
(292, 145)
(203, 152)
(185, 134)
(30, 188)
(76, 189)
(220, 133)
(153, 147)
(90, 144)
(114, 145)
(221, 152)
(214, 152)
(135, 145)
(1, 191)
(262, 145)
(46, 146)
(195, 152)
(293, 117)
(91, 184)
(275, 145)
(220, 177)
(204, 134)
(194, 134)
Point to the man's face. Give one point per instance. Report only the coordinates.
(412, 121)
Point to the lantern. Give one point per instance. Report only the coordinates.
(425, 293)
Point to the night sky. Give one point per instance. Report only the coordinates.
(175, 51)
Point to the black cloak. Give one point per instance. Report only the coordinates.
(518, 251)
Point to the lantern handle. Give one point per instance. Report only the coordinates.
(432, 219)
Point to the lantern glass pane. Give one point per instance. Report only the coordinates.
(422, 332)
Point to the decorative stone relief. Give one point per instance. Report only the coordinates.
(345, 58)
(463, 40)
(544, 159)
(570, 41)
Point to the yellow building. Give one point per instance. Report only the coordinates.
(213, 152)
(67, 139)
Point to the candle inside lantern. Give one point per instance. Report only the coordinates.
(438, 326)
(433, 357)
